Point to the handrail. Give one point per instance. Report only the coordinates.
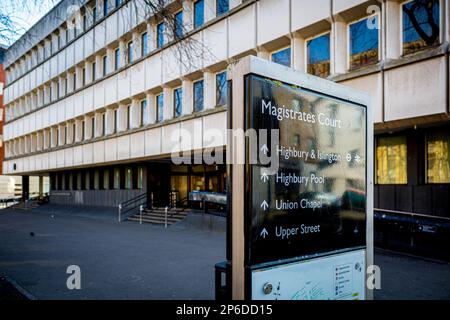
(131, 204)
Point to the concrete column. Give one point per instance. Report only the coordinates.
(110, 54)
(69, 79)
(263, 53)
(98, 66)
(79, 73)
(53, 137)
(98, 118)
(61, 135)
(123, 53)
(136, 38)
(392, 41)
(151, 106)
(122, 118)
(109, 121)
(151, 31)
(70, 132)
(39, 141)
(79, 130)
(168, 103)
(54, 86)
(298, 58)
(234, 3)
(135, 113)
(188, 103)
(61, 85)
(188, 15)
(88, 130)
(41, 186)
(88, 71)
(339, 50)
(27, 144)
(47, 138)
(25, 188)
(209, 89)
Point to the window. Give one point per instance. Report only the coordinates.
(74, 81)
(118, 3)
(96, 180)
(94, 71)
(128, 177)
(105, 65)
(116, 178)
(160, 107)
(391, 160)
(128, 117)
(106, 179)
(199, 13)
(93, 127)
(318, 56)
(221, 89)
(144, 44)
(198, 96)
(103, 124)
(160, 35)
(84, 76)
(144, 113)
(83, 130)
(116, 121)
(79, 187)
(364, 42)
(420, 25)
(178, 102)
(117, 59)
(222, 6)
(130, 51)
(105, 8)
(87, 181)
(94, 14)
(179, 24)
(438, 158)
(84, 23)
(282, 57)
(140, 178)
(59, 41)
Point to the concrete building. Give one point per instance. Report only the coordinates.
(96, 100)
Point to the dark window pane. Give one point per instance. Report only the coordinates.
(199, 13)
(363, 43)
(144, 44)
(179, 24)
(221, 88)
(117, 59)
(318, 56)
(198, 96)
(160, 107)
(420, 25)
(160, 35)
(282, 57)
(222, 6)
(178, 102)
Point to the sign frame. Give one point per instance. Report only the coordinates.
(236, 149)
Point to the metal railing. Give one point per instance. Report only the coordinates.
(129, 205)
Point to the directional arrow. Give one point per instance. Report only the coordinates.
(264, 149)
(264, 205)
(264, 177)
(357, 158)
(264, 233)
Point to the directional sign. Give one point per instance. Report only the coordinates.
(316, 201)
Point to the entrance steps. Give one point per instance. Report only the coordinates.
(157, 215)
(26, 205)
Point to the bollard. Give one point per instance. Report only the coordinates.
(166, 218)
(141, 208)
(120, 213)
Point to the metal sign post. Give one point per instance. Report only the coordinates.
(301, 220)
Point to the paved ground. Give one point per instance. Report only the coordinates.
(132, 261)
(117, 261)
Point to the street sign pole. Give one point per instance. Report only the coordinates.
(303, 207)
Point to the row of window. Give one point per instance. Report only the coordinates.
(392, 156)
(75, 28)
(420, 30)
(106, 179)
(78, 131)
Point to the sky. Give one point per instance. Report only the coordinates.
(24, 14)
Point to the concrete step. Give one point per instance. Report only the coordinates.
(158, 216)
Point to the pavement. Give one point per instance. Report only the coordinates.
(132, 261)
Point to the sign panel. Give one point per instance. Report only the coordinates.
(337, 277)
(315, 202)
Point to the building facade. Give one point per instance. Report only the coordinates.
(99, 99)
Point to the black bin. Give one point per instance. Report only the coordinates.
(223, 281)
